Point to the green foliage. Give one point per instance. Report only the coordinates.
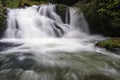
(2, 19)
(1, 6)
(2, 25)
(110, 8)
(98, 77)
(103, 16)
(33, 2)
(10, 3)
(95, 21)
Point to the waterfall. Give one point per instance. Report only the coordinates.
(43, 21)
(42, 44)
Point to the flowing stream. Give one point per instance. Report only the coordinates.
(39, 44)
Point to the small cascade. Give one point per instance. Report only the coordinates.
(43, 21)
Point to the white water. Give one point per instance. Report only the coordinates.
(40, 26)
(42, 21)
(39, 31)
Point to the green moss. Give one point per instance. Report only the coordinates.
(110, 44)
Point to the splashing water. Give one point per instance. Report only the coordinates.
(39, 45)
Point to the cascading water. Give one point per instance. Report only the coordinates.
(43, 21)
(39, 45)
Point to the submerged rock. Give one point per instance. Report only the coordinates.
(98, 77)
(7, 45)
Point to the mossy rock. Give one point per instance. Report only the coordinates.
(110, 44)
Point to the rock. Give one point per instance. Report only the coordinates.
(65, 2)
(26, 5)
(110, 44)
